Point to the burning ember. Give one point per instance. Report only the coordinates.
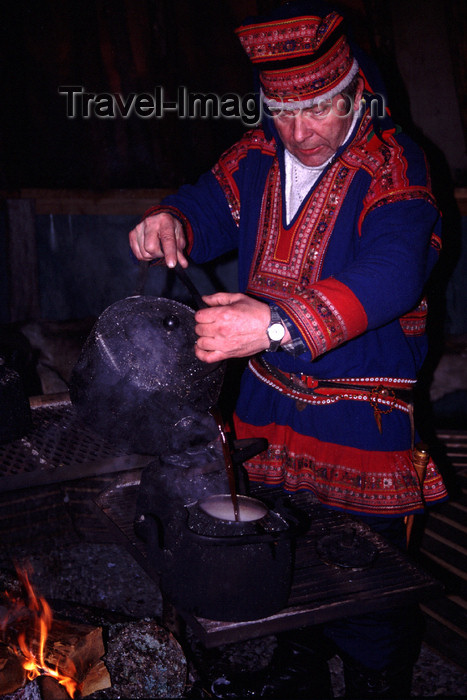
(25, 623)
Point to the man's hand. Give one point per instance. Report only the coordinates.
(159, 236)
(234, 325)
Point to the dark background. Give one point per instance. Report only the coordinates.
(124, 46)
(116, 46)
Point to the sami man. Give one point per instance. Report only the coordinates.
(337, 231)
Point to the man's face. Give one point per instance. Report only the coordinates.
(313, 135)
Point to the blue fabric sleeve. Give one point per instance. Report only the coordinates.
(395, 259)
(205, 206)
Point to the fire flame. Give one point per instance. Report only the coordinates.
(30, 645)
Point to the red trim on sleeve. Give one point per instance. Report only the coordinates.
(326, 315)
(346, 303)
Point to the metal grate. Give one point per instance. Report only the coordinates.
(50, 478)
(58, 440)
(60, 447)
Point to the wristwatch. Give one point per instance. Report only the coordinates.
(275, 330)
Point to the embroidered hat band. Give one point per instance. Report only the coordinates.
(301, 60)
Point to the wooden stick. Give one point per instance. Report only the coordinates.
(98, 678)
(51, 689)
(74, 648)
(12, 673)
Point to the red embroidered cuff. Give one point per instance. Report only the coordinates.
(327, 315)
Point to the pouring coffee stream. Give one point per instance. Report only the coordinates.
(216, 414)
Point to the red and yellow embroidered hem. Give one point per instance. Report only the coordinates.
(360, 481)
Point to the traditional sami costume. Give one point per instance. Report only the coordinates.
(348, 272)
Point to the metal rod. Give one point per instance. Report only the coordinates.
(182, 275)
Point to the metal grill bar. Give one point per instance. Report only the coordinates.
(60, 448)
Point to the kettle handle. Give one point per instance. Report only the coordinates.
(142, 277)
(182, 276)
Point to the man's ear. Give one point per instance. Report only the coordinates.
(358, 94)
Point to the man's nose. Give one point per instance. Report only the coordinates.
(303, 127)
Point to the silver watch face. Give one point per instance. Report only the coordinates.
(276, 331)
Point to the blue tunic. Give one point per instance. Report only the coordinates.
(348, 274)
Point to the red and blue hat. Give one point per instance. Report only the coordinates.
(302, 54)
